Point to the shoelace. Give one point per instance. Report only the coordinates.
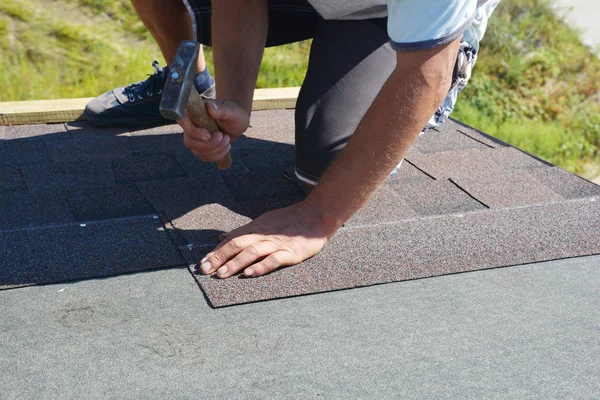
(148, 88)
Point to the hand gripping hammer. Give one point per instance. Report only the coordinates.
(179, 93)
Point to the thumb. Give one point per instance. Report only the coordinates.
(217, 109)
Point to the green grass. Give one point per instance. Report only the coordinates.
(45, 54)
(535, 85)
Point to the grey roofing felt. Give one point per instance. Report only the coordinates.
(461, 201)
(510, 333)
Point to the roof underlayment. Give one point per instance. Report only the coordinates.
(81, 202)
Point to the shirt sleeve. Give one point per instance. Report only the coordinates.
(423, 24)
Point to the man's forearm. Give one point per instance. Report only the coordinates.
(239, 31)
(407, 100)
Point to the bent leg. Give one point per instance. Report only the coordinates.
(349, 63)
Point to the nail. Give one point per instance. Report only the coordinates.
(205, 267)
(214, 106)
(249, 272)
(203, 260)
(222, 270)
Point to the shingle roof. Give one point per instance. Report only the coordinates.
(80, 202)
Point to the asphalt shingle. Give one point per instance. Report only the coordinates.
(467, 163)
(508, 189)
(445, 140)
(428, 219)
(30, 210)
(18, 152)
(407, 172)
(200, 209)
(423, 248)
(98, 249)
(436, 197)
(84, 129)
(51, 131)
(116, 201)
(272, 125)
(11, 179)
(565, 183)
(86, 148)
(384, 207)
(512, 158)
(68, 175)
(144, 167)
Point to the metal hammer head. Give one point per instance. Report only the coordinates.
(180, 80)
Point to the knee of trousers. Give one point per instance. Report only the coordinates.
(317, 145)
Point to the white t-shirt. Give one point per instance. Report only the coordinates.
(417, 24)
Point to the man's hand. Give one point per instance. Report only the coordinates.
(232, 120)
(278, 238)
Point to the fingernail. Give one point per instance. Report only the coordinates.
(214, 105)
(249, 272)
(203, 260)
(222, 270)
(205, 267)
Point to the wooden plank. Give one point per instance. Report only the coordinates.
(67, 110)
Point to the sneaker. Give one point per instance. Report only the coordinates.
(136, 105)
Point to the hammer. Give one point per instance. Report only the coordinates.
(179, 93)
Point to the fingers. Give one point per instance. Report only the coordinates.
(269, 264)
(247, 257)
(192, 130)
(230, 117)
(218, 257)
(242, 252)
(204, 145)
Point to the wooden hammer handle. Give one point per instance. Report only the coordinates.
(197, 112)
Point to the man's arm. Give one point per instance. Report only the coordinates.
(239, 34)
(290, 235)
(407, 100)
(239, 31)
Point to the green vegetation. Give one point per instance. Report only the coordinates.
(535, 85)
(54, 49)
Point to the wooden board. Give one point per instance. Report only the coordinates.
(66, 110)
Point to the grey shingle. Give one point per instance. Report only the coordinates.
(565, 183)
(15, 153)
(69, 174)
(272, 125)
(423, 248)
(142, 167)
(84, 129)
(409, 173)
(116, 201)
(69, 252)
(384, 207)
(436, 197)
(86, 148)
(11, 179)
(473, 133)
(437, 141)
(512, 158)
(508, 189)
(462, 163)
(28, 210)
(44, 132)
(200, 209)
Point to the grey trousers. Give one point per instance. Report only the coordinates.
(349, 62)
